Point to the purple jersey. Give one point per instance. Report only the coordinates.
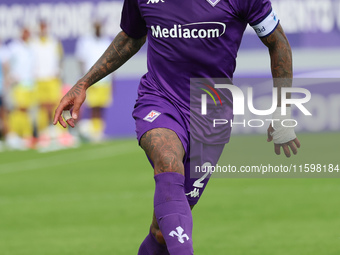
(192, 39)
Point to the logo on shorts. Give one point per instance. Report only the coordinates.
(151, 116)
(154, 1)
(194, 193)
(213, 2)
(198, 184)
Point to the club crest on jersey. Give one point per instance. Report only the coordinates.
(151, 116)
(213, 2)
(154, 1)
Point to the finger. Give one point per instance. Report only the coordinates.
(269, 134)
(286, 149)
(277, 149)
(297, 142)
(292, 147)
(57, 115)
(75, 112)
(62, 122)
(67, 116)
(71, 122)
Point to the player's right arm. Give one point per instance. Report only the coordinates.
(122, 48)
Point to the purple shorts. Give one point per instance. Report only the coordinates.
(153, 111)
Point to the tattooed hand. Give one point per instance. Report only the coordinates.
(120, 50)
(74, 98)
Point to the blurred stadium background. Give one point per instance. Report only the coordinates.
(97, 198)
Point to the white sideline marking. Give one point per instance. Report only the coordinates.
(67, 158)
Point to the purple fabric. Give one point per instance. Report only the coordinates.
(196, 153)
(173, 213)
(150, 246)
(169, 117)
(133, 25)
(188, 39)
(219, 106)
(196, 181)
(253, 12)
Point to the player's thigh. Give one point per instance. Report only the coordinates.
(164, 148)
(162, 132)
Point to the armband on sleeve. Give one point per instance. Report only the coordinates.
(266, 26)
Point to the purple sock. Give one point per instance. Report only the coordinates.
(150, 246)
(173, 213)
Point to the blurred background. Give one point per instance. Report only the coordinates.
(89, 190)
(79, 31)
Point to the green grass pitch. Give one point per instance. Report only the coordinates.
(97, 199)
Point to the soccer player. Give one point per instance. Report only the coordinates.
(20, 130)
(88, 50)
(186, 39)
(4, 69)
(47, 54)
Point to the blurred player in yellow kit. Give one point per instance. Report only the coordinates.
(48, 54)
(3, 83)
(20, 131)
(88, 50)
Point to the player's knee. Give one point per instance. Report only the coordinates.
(168, 161)
(164, 149)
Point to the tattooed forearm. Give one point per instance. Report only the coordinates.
(280, 53)
(121, 49)
(281, 59)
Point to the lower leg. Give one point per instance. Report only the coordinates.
(98, 124)
(154, 242)
(172, 211)
(43, 120)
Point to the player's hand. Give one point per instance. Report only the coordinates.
(288, 146)
(74, 98)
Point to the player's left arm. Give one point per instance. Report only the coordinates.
(280, 56)
(282, 72)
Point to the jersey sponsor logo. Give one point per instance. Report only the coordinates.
(200, 30)
(151, 116)
(179, 233)
(213, 2)
(154, 1)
